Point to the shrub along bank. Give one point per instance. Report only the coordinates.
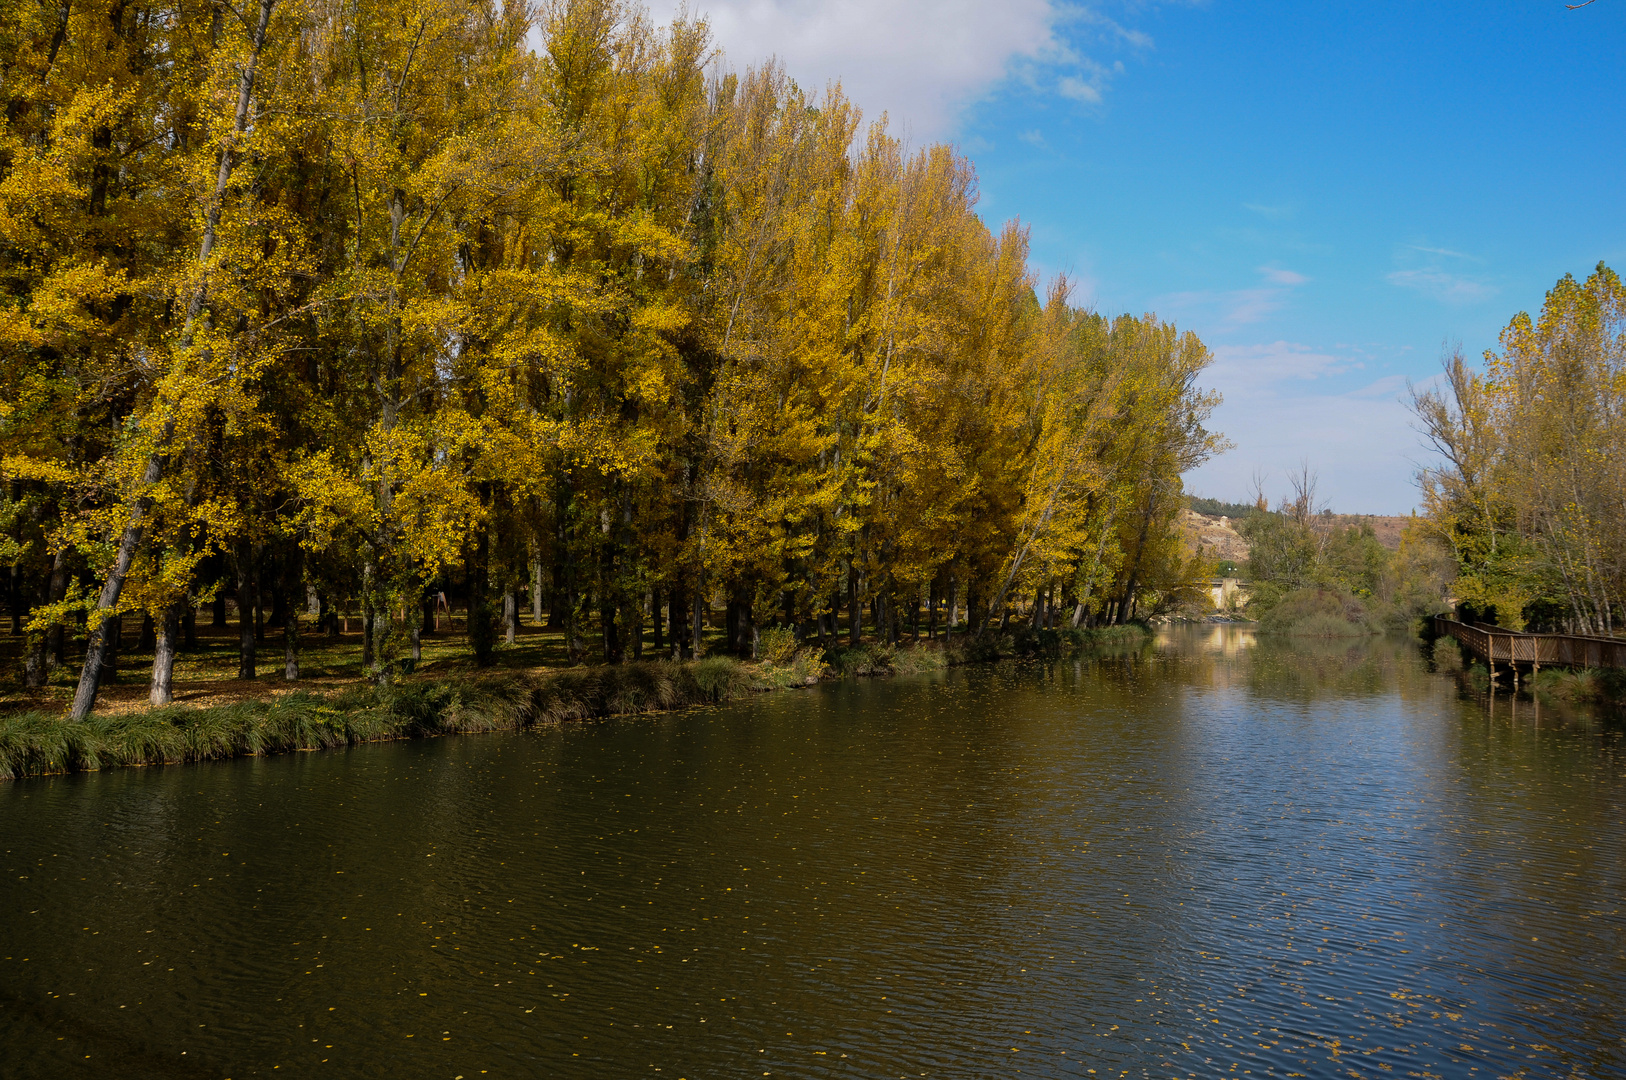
(39, 744)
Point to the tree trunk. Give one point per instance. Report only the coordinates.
(163, 655)
(481, 632)
(290, 622)
(246, 605)
(510, 615)
(855, 614)
(114, 624)
(697, 648)
(655, 619)
(426, 620)
(677, 610)
(536, 592)
(189, 625)
(218, 612)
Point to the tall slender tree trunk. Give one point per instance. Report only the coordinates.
(697, 647)
(163, 655)
(536, 592)
(246, 605)
(292, 571)
(482, 632)
(115, 644)
(855, 611)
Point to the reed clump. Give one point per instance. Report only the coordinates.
(1600, 685)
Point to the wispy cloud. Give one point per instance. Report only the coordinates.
(1270, 213)
(1032, 138)
(1277, 276)
(1436, 272)
(1078, 89)
(1247, 369)
(1441, 285)
(1447, 252)
(1234, 308)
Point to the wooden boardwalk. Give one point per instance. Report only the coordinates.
(1499, 645)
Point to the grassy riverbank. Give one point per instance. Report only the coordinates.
(38, 743)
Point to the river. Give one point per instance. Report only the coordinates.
(1219, 855)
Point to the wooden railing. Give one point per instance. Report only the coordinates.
(1499, 645)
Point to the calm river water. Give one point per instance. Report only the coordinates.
(1218, 856)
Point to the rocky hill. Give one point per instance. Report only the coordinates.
(1217, 534)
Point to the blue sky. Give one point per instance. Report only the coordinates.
(1326, 193)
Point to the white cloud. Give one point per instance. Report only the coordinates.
(1278, 276)
(922, 64)
(1232, 308)
(1071, 86)
(1251, 369)
(1448, 288)
(1283, 404)
(1435, 276)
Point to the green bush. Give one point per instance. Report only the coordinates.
(777, 645)
(1318, 613)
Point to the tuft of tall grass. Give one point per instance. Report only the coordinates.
(918, 659)
(720, 678)
(35, 743)
(1588, 684)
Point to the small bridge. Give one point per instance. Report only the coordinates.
(1499, 645)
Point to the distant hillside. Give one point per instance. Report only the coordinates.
(1387, 529)
(1215, 535)
(1212, 525)
(1214, 508)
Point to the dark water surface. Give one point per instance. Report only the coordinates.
(1218, 857)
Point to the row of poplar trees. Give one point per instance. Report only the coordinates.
(1530, 490)
(347, 296)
